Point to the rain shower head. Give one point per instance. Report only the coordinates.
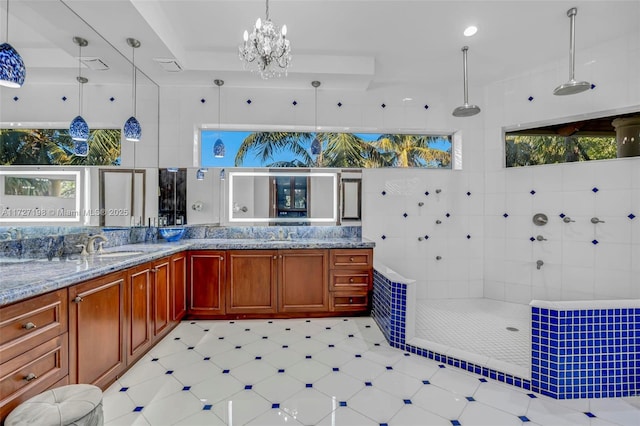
(572, 86)
(465, 110)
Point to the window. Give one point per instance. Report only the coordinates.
(592, 139)
(55, 147)
(358, 150)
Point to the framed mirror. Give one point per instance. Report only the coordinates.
(31, 196)
(122, 195)
(288, 197)
(351, 196)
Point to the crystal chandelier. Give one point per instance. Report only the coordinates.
(266, 50)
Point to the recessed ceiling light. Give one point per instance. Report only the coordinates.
(470, 30)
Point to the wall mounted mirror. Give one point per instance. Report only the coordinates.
(283, 197)
(32, 196)
(122, 195)
(351, 197)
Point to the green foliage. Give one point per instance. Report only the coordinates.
(534, 150)
(344, 150)
(55, 147)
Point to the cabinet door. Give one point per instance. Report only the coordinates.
(206, 282)
(161, 295)
(178, 286)
(303, 282)
(140, 310)
(251, 282)
(97, 330)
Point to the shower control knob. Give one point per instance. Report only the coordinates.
(438, 257)
(420, 204)
(541, 238)
(420, 238)
(567, 219)
(595, 220)
(438, 222)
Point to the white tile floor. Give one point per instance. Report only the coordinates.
(478, 326)
(337, 371)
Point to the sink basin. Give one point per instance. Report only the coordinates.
(120, 253)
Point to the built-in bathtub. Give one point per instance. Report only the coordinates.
(579, 349)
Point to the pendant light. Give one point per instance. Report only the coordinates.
(132, 130)
(316, 146)
(572, 86)
(12, 70)
(218, 146)
(78, 129)
(465, 110)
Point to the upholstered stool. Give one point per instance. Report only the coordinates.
(79, 405)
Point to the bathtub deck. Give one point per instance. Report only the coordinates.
(478, 326)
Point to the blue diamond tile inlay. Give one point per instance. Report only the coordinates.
(470, 398)
(358, 356)
(368, 384)
(207, 358)
(238, 347)
(524, 418)
(631, 216)
(442, 366)
(468, 237)
(343, 403)
(389, 367)
(190, 348)
(225, 371)
(207, 407)
(339, 104)
(112, 99)
(530, 98)
(426, 193)
(448, 215)
(593, 86)
(532, 192)
(405, 215)
(383, 106)
(562, 215)
(186, 388)
(426, 107)
(203, 100)
(281, 370)
(124, 389)
(15, 98)
(468, 193)
(456, 423)
(154, 359)
(258, 357)
(595, 189)
(483, 380)
(350, 335)
(532, 239)
(332, 346)
(594, 242)
(376, 344)
(248, 387)
(308, 385)
(384, 237)
(285, 346)
(531, 395)
(275, 405)
(384, 192)
(249, 101)
(138, 409)
(169, 372)
(589, 414)
(505, 215)
(64, 98)
(308, 356)
(407, 401)
(426, 382)
(295, 103)
(335, 369)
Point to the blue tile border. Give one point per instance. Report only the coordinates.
(584, 353)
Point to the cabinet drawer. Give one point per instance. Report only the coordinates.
(351, 258)
(33, 372)
(349, 301)
(349, 280)
(28, 323)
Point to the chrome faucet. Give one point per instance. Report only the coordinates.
(90, 242)
(280, 234)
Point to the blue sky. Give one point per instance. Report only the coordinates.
(232, 141)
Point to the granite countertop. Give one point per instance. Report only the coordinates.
(23, 278)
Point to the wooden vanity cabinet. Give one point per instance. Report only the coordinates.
(206, 283)
(139, 311)
(351, 280)
(303, 280)
(33, 348)
(97, 329)
(178, 287)
(252, 282)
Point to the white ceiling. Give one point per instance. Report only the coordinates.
(346, 44)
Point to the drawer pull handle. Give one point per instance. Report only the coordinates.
(154, 270)
(221, 257)
(275, 257)
(28, 326)
(350, 300)
(29, 377)
(350, 280)
(351, 259)
(77, 299)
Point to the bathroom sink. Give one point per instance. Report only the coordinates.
(119, 253)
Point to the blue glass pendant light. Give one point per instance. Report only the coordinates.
(132, 130)
(79, 129)
(218, 146)
(316, 146)
(12, 70)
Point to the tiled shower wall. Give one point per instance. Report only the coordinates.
(581, 260)
(446, 258)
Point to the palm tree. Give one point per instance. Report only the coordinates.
(265, 144)
(411, 151)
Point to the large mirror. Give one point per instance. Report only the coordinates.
(49, 100)
(29, 196)
(122, 195)
(287, 197)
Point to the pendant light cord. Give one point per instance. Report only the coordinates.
(80, 79)
(134, 94)
(6, 28)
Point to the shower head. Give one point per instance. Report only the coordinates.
(572, 86)
(465, 110)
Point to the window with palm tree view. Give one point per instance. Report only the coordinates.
(55, 147)
(293, 149)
